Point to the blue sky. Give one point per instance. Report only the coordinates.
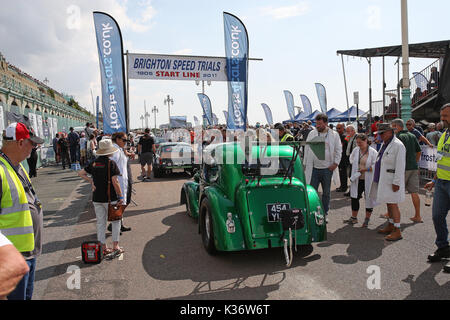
(297, 41)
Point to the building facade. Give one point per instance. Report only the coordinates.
(21, 94)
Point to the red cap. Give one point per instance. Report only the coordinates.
(17, 130)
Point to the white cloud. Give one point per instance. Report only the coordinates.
(374, 17)
(56, 40)
(286, 11)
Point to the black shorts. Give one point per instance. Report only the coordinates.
(146, 158)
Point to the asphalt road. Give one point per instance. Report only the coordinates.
(164, 257)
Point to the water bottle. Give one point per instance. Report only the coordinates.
(428, 196)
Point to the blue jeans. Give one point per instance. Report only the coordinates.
(24, 289)
(323, 177)
(441, 205)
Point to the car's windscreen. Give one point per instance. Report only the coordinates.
(268, 167)
(178, 151)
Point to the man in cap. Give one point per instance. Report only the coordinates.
(389, 179)
(74, 141)
(433, 135)
(282, 133)
(21, 220)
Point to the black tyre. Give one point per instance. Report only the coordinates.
(304, 250)
(157, 173)
(206, 228)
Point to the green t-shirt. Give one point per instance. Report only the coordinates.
(412, 147)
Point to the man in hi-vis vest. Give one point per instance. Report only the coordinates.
(21, 218)
(441, 200)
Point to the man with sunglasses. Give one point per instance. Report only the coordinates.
(21, 218)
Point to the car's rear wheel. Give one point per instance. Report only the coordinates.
(207, 229)
(304, 250)
(188, 206)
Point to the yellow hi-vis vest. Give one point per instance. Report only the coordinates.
(286, 136)
(443, 165)
(16, 223)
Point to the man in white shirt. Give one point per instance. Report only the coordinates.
(12, 267)
(119, 140)
(321, 171)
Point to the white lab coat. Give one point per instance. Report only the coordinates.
(121, 160)
(368, 175)
(394, 158)
(335, 152)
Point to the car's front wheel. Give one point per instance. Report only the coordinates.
(157, 173)
(207, 229)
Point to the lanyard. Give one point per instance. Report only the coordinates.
(362, 156)
(25, 182)
(446, 135)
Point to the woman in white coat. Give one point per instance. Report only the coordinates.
(362, 160)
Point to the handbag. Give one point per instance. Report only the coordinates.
(115, 211)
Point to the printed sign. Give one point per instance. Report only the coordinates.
(110, 53)
(236, 51)
(428, 158)
(171, 67)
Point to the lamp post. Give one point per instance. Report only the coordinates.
(155, 111)
(168, 101)
(146, 115)
(406, 92)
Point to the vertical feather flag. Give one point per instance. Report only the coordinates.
(206, 105)
(290, 103)
(110, 51)
(268, 113)
(306, 104)
(236, 50)
(322, 96)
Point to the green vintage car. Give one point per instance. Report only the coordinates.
(255, 199)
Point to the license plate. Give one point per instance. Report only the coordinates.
(177, 170)
(274, 209)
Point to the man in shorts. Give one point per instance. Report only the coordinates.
(413, 152)
(146, 149)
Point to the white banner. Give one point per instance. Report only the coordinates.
(170, 67)
(33, 122)
(55, 126)
(2, 123)
(40, 131)
(2, 119)
(50, 128)
(428, 158)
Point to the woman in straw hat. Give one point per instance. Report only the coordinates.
(98, 169)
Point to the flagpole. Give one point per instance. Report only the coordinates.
(406, 92)
(345, 84)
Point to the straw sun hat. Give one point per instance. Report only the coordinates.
(105, 148)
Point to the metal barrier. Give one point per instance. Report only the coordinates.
(426, 175)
